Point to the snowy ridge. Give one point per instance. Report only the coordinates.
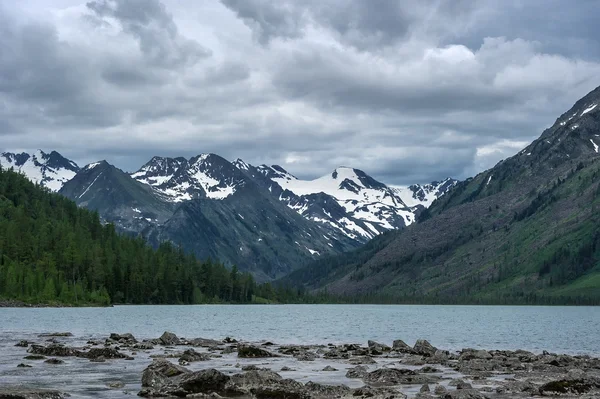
(179, 179)
(348, 199)
(49, 170)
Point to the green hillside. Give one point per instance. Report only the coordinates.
(52, 251)
(525, 231)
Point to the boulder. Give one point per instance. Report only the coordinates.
(377, 393)
(53, 350)
(401, 346)
(465, 394)
(104, 353)
(357, 372)
(126, 338)
(251, 351)
(377, 348)
(16, 393)
(469, 354)
(190, 355)
(392, 376)
(161, 378)
(424, 348)
(205, 342)
(362, 360)
(314, 390)
(204, 381)
(329, 368)
(566, 386)
(168, 338)
(22, 344)
(305, 356)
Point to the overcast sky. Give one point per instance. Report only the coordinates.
(409, 90)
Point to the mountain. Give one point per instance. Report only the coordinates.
(525, 231)
(49, 170)
(348, 199)
(118, 198)
(262, 219)
(210, 208)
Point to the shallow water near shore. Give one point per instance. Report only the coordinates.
(570, 330)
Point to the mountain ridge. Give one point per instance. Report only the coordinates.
(524, 229)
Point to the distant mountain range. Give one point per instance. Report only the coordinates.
(525, 231)
(261, 218)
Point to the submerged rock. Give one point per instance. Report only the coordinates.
(54, 361)
(190, 356)
(15, 393)
(124, 338)
(251, 351)
(377, 348)
(392, 376)
(357, 372)
(565, 386)
(23, 344)
(53, 350)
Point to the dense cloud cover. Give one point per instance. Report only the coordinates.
(409, 91)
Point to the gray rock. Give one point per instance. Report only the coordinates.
(168, 338)
(190, 356)
(204, 381)
(126, 338)
(465, 394)
(305, 356)
(362, 360)
(440, 390)
(425, 388)
(54, 361)
(424, 348)
(377, 393)
(22, 344)
(357, 372)
(329, 368)
(401, 346)
(392, 376)
(376, 347)
(468, 354)
(251, 351)
(16, 393)
(53, 350)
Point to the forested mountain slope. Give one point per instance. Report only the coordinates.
(52, 251)
(525, 231)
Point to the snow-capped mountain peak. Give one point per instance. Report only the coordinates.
(50, 170)
(202, 176)
(424, 194)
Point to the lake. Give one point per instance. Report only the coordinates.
(571, 330)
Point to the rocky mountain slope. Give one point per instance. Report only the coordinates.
(526, 230)
(348, 199)
(50, 170)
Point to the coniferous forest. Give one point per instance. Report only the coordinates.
(52, 251)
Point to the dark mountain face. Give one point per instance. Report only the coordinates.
(117, 197)
(526, 228)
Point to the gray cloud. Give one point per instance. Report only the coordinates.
(409, 91)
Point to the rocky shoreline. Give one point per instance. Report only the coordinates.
(175, 367)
